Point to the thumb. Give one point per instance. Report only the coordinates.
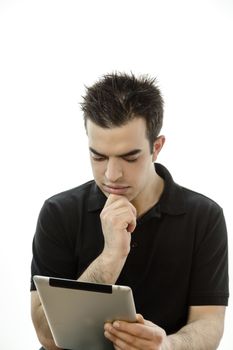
(132, 225)
(140, 319)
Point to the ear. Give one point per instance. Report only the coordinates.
(158, 145)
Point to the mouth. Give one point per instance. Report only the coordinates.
(120, 190)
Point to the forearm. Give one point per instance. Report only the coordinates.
(198, 335)
(104, 269)
(41, 325)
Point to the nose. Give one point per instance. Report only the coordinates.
(113, 171)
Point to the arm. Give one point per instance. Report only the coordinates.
(203, 331)
(40, 323)
(118, 219)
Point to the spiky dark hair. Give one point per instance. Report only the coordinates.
(117, 98)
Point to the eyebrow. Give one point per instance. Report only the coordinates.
(130, 153)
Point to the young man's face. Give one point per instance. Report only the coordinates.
(121, 160)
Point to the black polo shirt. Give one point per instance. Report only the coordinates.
(178, 251)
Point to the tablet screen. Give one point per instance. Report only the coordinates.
(76, 311)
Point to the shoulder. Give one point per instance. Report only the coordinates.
(177, 199)
(72, 201)
(78, 193)
(205, 216)
(197, 201)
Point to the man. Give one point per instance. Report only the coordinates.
(134, 225)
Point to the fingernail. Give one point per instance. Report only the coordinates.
(107, 327)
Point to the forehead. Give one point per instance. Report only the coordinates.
(117, 140)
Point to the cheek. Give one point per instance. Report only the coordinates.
(141, 172)
(135, 173)
(97, 168)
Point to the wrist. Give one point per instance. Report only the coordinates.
(113, 257)
(175, 342)
(169, 344)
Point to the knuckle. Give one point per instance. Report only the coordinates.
(159, 336)
(151, 347)
(103, 213)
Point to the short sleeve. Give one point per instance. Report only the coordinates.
(53, 254)
(209, 277)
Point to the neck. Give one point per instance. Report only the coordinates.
(150, 196)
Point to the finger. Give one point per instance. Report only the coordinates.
(122, 213)
(116, 347)
(120, 201)
(122, 340)
(140, 319)
(124, 205)
(147, 330)
(131, 226)
(125, 211)
(128, 220)
(111, 199)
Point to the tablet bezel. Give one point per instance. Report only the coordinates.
(96, 304)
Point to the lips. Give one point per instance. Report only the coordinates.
(120, 190)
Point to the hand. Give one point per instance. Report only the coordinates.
(118, 219)
(143, 335)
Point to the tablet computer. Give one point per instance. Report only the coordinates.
(76, 311)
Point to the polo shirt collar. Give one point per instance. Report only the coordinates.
(96, 198)
(171, 201)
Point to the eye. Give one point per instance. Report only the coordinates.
(131, 160)
(97, 158)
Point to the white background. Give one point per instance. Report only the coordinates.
(48, 51)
